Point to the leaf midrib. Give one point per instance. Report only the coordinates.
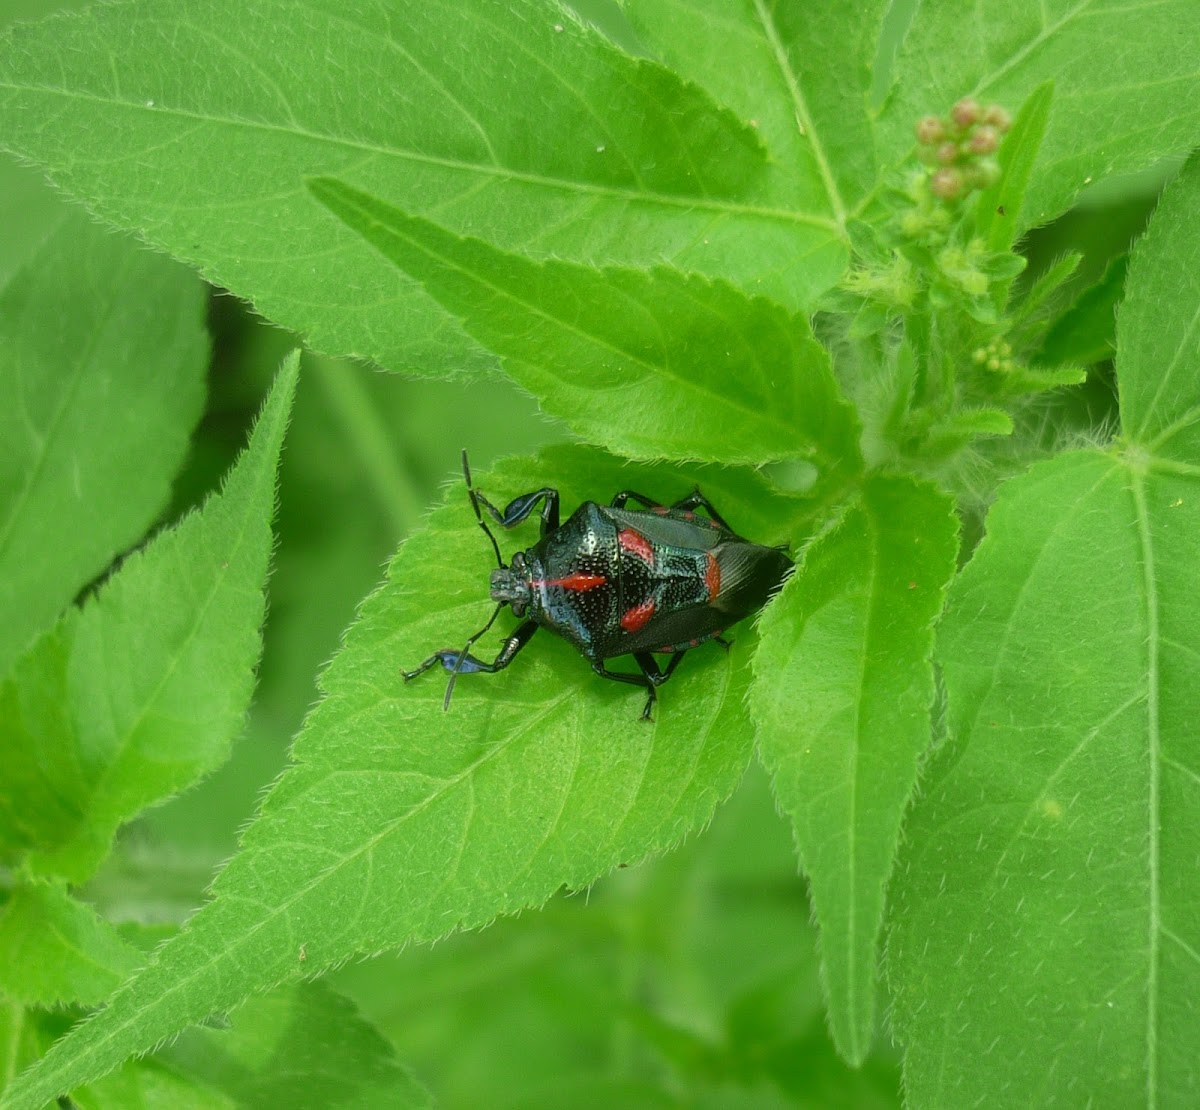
(48, 1079)
(688, 202)
(1153, 801)
(804, 120)
(1018, 56)
(651, 369)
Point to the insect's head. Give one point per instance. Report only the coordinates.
(510, 585)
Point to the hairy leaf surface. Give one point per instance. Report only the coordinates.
(139, 692)
(400, 822)
(800, 72)
(648, 364)
(102, 359)
(197, 123)
(1043, 935)
(1158, 329)
(844, 685)
(1126, 82)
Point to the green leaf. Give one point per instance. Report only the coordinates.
(1126, 83)
(647, 364)
(519, 124)
(759, 60)
(1034, 379)
(55, 950)
(959, 428)
(300, 1046)
(137, 694)
(706, 955)
(102, 360)
(1158, 328)
(146, 1083)
(843, 689)
(1028, 314)
(30, 212)
(1043, 933)
(21, 1041)
(998, 208)
(399, 822)
(1086, 332)
(304, 1045)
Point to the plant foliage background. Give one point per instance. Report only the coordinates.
(931, 826)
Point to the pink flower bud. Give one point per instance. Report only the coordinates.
(984, 141)
(998, 118)
(947, 153)
(946, 183)
(930, 130)
(966, 112)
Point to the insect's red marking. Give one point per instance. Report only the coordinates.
(712, 576)
(581, 582)
(636, 544)
(634, 618)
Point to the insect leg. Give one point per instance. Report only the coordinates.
(694, 500)
(450, 658)
(650, 678)
(618, 501)
(463, 662)
(697, 500)
(649, 665)
(516, 510)
(642, 680)
(520, 507)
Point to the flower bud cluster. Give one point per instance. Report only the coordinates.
(960, 149)
(995, 356)
(963, 267)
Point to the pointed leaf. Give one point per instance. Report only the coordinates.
(102, 360)
(30, 212)
(55, 950)
(304, 1045)
(1029, 313)
(1126, 83)
(197, 123)
(1086, 332)
(843, 689)
(138, 693)
(1043, 935)
(400, 822)
(1158, 329)
(998, 208)
(300, 1046)
(760, 60)
(21, 1041)
(650, 365)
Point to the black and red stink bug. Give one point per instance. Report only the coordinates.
(616, 581)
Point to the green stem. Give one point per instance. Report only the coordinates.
(350, 403)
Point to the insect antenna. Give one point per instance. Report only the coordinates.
(499, 562)
(479, 516)
(463, 654)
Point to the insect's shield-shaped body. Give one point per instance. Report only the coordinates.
(616, 581)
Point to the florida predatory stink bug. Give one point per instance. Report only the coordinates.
(617, 581)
